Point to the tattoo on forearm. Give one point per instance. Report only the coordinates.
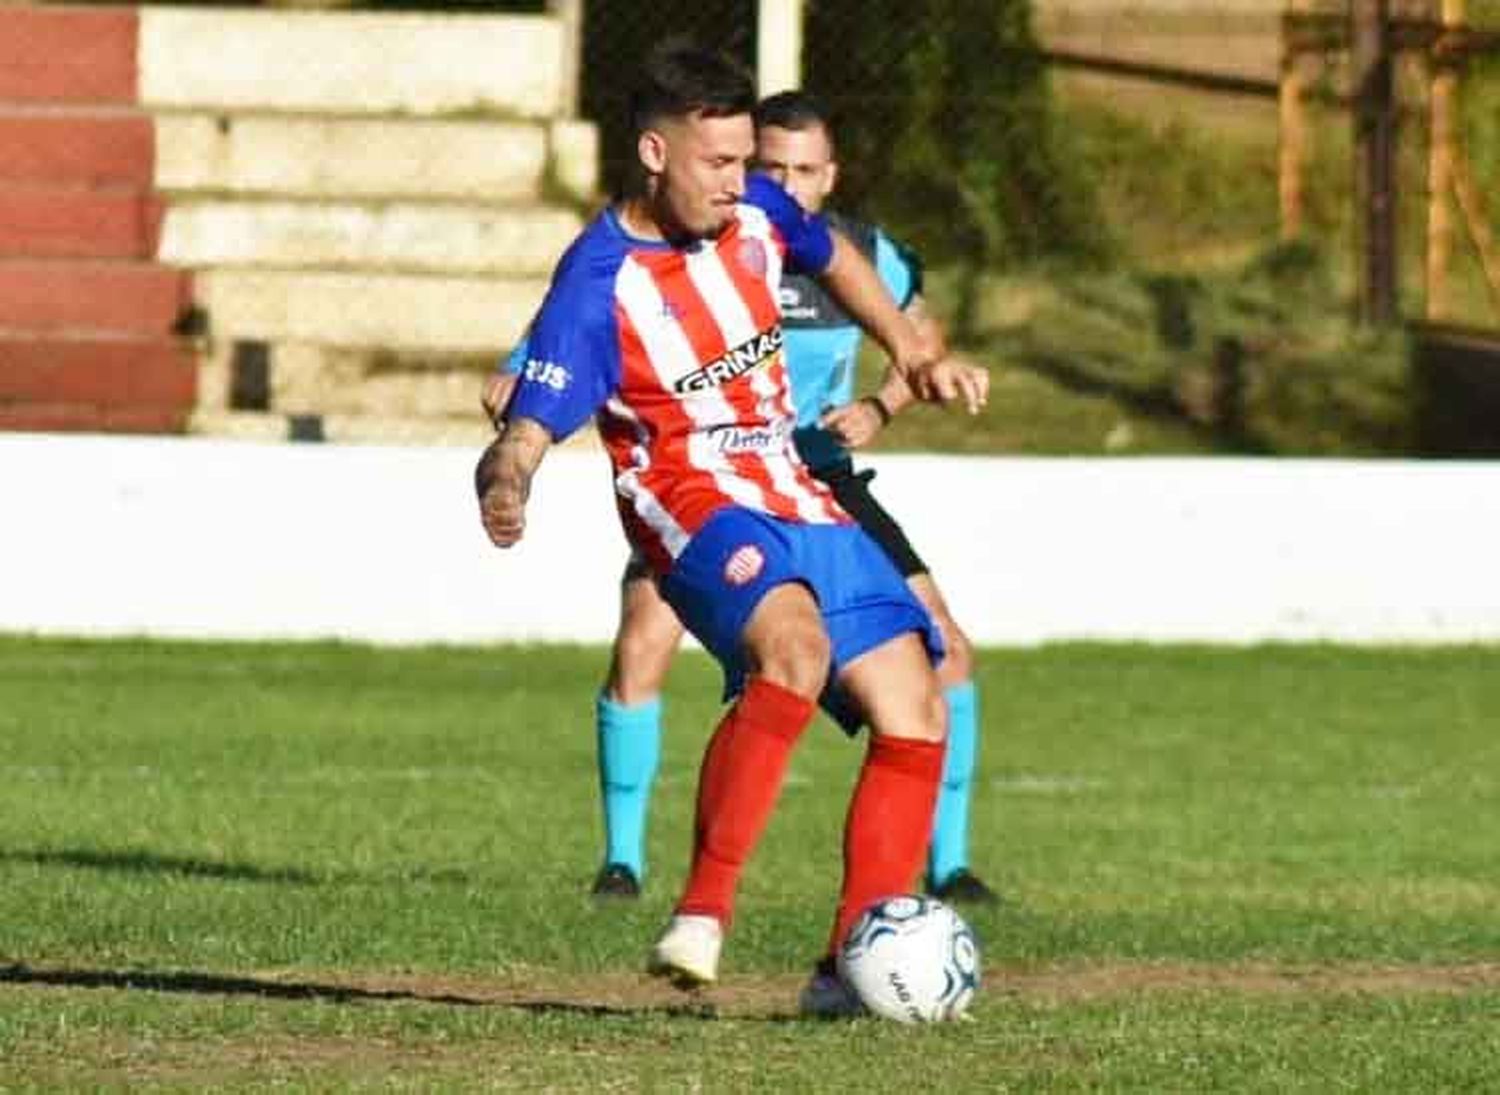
(513, 458)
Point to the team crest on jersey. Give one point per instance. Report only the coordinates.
(753, 257)
(752, 353)
(743, 566)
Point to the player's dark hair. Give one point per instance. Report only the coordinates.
(794, 110)
(681, 77)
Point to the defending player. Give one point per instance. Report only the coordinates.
(662, 320)
(795, 147)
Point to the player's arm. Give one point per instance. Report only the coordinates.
(915, 358)
(503, 477)
(566, 367)
(854, 282)
(816, 249)
(500, 385)
(856, 424)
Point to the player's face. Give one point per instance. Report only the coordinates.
(801, 160)
(700, 171)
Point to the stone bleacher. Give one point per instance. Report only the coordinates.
(360, 210)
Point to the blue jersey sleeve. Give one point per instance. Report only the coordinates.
(898, 267)
(571, 353)
(809, 242)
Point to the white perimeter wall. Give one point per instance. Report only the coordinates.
(188, 537)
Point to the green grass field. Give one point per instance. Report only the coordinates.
(330, 867)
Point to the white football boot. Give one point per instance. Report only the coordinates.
(687, 954)
(827, 996)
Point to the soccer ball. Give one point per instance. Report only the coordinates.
(911, 959)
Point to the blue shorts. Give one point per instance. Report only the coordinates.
(740, 555)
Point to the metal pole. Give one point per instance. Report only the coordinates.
(778, 61)
(1292, 132)
(569, 13)
(1375, 155)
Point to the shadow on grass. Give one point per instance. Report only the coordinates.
(191, 983)
(141, 861)
(138, 861)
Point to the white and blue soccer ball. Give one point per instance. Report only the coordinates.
(912, 959)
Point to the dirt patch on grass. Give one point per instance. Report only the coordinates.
(775, 996)
(769, 997)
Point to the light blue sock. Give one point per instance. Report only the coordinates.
(629, 749)
(950, 828)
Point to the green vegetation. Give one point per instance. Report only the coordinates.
(1200, 333)
(946, 128)
(1253, 360)
(228, 866)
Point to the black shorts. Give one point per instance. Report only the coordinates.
(852, 490)
(636, 568)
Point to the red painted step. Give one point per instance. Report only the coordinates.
(68, 223)
(92, 418)
(133, 297)
(65, 371)
(69, 55)
(60, 147)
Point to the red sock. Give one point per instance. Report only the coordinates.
(888, 826)
(743, 769)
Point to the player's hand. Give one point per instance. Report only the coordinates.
(854, 424)
(503, 514)
(502, 504)
(496, 394)
(950, 381)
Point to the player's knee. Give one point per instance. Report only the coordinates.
(796, 657)
(930, 722)
(920, 715)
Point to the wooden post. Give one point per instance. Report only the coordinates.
(1472, 204)
(778, 49)
(569, 13)
(1441, 153)
(1292, 145)
(1375, 155)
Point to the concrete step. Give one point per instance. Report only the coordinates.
(361, 429)
(350, 62)
(59, 147)
(64, 370)
(92, 418)
(352, 158)
(80, 383)
(93, 295)
(394, 312)
(56, 222)
(61, 54)
(391, 237)
(342, 428)
(298, 378)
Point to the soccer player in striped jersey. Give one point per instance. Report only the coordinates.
(795, 147)
(662, 322)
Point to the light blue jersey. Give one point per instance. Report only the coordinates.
(822, 342)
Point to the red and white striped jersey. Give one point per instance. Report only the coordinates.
(678, 352)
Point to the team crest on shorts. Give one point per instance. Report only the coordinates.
(753, 257)
(744, 565)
